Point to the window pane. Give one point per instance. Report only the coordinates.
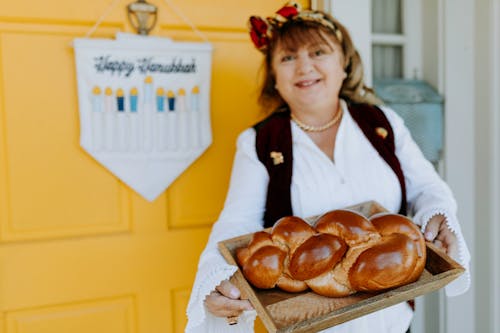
(387, 62)
(386, 17)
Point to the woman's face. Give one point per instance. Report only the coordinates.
(310, 75)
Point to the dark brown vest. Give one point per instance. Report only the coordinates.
(274, 135)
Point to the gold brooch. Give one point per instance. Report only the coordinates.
(382, 132)
(277, 157)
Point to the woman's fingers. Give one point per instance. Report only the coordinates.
(449, 240)
(222, 306)
(439, 244)
(225, 301)
(433, 226)
(452, 249)
(228, 289)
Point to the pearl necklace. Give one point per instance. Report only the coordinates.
(311, 128)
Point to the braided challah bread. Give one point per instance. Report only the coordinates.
(343, 254)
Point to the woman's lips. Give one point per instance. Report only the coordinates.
(306, 83)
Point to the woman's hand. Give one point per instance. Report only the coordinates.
(439, 234)
(225, 301)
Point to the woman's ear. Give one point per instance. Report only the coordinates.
(347, 64)
(348, 69)
(272, 77)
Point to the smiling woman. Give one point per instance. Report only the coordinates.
(325, 145)
(321, 34)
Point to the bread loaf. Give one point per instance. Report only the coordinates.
(344, 253)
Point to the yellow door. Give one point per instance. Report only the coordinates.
(79, 251)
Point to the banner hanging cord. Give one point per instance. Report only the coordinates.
(103, 16)
(176, 10)
(179, 13)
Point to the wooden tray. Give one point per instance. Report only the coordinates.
(281, 311)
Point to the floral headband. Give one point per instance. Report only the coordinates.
(261, 30)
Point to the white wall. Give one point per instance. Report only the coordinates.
(487, 79)
(484, 140)
(495, 195)
(458, 29)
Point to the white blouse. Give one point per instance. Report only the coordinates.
(358, 174)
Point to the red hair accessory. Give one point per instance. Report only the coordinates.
(261, 30)
(290, 10)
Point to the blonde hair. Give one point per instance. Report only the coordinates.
(302, 32)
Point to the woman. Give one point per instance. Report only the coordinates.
(314, 80)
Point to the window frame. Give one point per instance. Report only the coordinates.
(356, 15)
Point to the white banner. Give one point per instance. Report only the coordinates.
(144, 107)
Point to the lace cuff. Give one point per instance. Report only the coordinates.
(206, 281)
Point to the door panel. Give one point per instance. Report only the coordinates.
(79, 250)
(42, 159)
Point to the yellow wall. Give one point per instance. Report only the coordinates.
(79, 250)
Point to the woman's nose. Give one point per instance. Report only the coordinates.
(304, 64)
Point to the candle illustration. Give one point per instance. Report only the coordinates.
(160, 100)
(133, 120)
(147, 115)
(171, 100)
(181, 100)
(195, 122)
(161, 121)
(108, 100)
(171, 121)
(121, 121)
(148, 89)
(195, 98)
(97, 119)
(183, 119)
(133, 100)
(96, 99)
(120, 100)
(108, 118)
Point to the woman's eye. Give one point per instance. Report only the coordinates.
(318, 53)
(286, 58)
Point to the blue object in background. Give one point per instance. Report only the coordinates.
(421, 108)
